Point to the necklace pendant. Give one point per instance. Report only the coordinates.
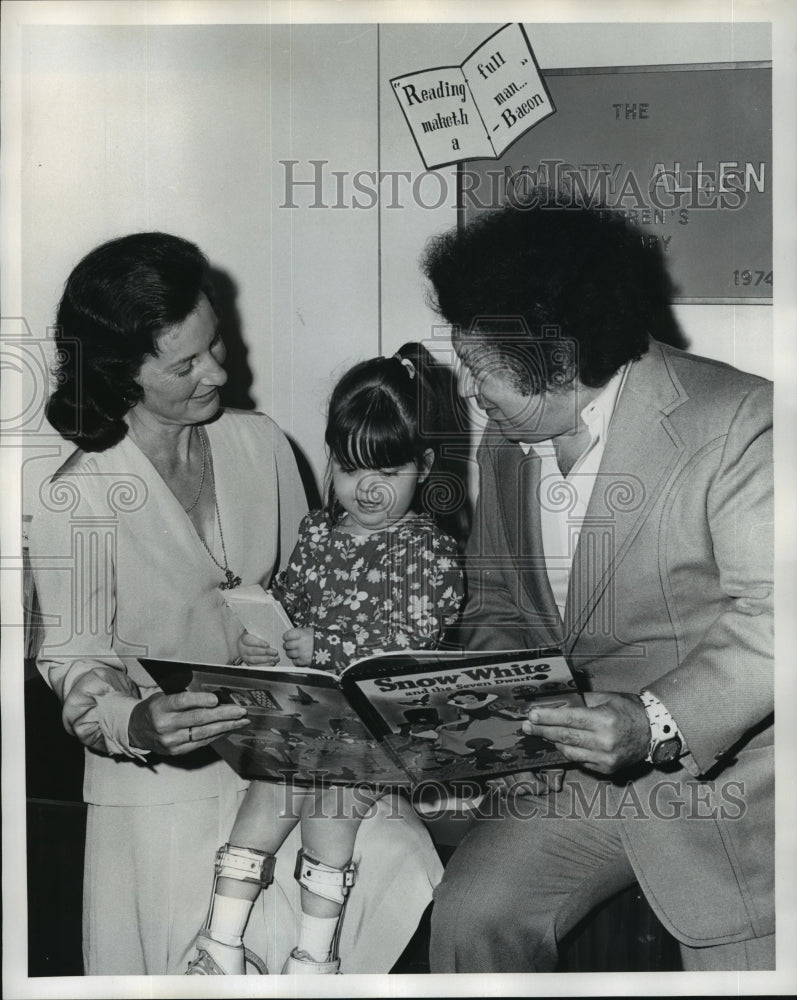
(231, 582)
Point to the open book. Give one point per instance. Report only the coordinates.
(396, 719)
(476, 110)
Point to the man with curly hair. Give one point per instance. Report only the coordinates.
(625, 514)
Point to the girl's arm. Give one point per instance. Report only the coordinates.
(288, 585)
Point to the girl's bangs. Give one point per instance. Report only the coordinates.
(378, 441)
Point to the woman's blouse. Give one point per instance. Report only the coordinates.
(395, 589)
(121, 573)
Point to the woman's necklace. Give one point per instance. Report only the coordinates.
(202, 477)
(232, 580)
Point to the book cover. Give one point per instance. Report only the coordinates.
(476, 110)
(261, 614)
(398, 719)
(451, 718)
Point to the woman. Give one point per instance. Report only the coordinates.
(167, 503)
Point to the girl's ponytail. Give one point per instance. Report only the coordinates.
(442, 423)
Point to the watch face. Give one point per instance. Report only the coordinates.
(666, 751)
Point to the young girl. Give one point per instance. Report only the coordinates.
(371, 572)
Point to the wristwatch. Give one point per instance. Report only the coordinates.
(666, 744)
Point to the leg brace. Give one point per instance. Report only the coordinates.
(330, 883)
(214, 955)
(324, 880)
(245, 864)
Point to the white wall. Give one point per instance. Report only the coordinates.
(740, 335)
(182, 128)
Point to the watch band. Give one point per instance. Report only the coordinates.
(663, 728)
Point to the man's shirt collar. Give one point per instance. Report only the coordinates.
(597, 414)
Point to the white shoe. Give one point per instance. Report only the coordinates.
(299, 963)
(216, 959)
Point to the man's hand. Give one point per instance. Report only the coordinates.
(298, 643)
(611, 733)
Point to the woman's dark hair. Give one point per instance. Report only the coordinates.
(116, 303)
(387, 412)
(558, 289)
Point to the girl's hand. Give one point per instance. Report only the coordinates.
(175, 724)
(298, 643)
(255, 652)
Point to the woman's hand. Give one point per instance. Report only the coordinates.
(298, 643)
(255, 652)
(175, 724)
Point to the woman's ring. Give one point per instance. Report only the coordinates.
(190, 734)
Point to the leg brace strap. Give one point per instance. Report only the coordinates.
(324, 880)
(245, 864)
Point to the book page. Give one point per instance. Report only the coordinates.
(301, 725)
(507, 87)
(442, 117)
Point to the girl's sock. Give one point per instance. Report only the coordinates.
(315, 936)
(228, 919)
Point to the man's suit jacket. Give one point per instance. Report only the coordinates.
(671, 590)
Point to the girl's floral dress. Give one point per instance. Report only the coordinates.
(394, 589)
